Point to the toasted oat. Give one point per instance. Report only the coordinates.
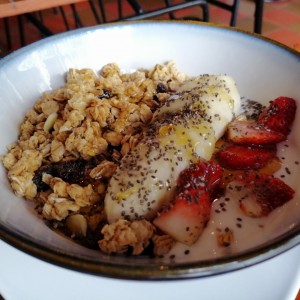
(83, 196)
(162, 244)
(123, 234)
(104, 170)
(66, 198)
(58, 208)
(20, 174)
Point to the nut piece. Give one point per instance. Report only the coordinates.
(225, 238)
(50, 121)
(77, 224)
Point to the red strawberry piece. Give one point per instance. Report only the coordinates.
(187, 217)
(250, 133)
(264, 194)
(213, 177)
(236, 157)
(280, 115)
(192, 177)
(201, 175)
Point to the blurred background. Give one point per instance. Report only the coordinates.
(25, 21)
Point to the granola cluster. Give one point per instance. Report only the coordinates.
(73, 139)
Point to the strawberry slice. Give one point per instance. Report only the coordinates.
(264, 193)
(250, 133)
(280, 115)
(213, 178)
(192, 177)
(236, 157)
(201, 175)
(187, 217)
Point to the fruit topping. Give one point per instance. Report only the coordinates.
(279, 116)
(187, 217)
(206, 175)
(235, 157)
(251, 133)
(263, 193)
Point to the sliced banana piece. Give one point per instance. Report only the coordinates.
(184, 130)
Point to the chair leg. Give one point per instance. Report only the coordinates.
(77, 19)
(94, 10)
(45, 31)
(65, 20)
(169, 4)
(232, 8)
(136, 7)
(234, 12)
(102, 9)
(205, 12)
(258, 16)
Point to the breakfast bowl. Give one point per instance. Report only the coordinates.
(261, 70)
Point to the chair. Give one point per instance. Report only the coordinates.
(233, 8)
(169, 8)
(36, 19)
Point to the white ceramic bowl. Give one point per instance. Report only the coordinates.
(262, 69)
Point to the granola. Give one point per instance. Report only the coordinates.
(73, 139)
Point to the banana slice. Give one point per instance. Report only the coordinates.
(181, 132)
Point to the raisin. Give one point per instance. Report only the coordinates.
(161, 88)
(105, 95)
(74, 171)
(38, 176)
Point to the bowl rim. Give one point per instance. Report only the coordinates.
(155, 271)
(41, 42)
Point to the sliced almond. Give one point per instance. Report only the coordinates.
(77, 224)
(50, 121)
